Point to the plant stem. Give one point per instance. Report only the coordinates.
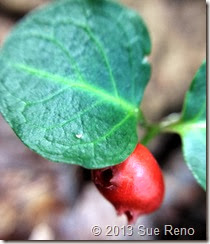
(151, 132)
(165, 126)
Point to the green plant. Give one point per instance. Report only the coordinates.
(72, 79)
(135, 186)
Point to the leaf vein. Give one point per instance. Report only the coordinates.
(48, 98)
(114, 128)
(79, 85)
(77, 115)
(100, 49)
(58, 44)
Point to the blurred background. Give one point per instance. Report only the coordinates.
(49, 201)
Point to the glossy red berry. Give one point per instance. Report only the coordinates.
(135, 186)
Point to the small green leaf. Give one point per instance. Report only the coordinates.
(192, 126)
(72, 77)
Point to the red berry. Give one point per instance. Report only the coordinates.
(135, 186)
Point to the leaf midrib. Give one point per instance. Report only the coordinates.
(80, 85)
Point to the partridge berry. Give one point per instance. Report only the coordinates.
(135, 186)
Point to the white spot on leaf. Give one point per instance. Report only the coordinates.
(78, 136)
(145, 60)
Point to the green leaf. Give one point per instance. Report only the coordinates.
(192, 126)
(72, 78)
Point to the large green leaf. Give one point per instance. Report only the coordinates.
(72, 78)
(192, 126)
